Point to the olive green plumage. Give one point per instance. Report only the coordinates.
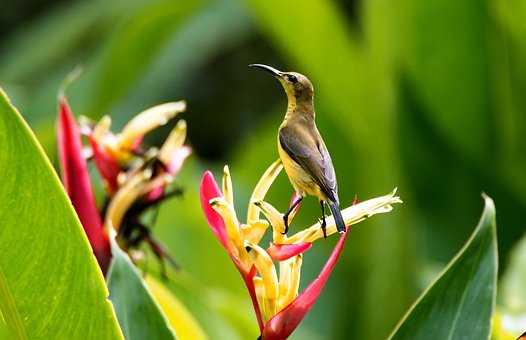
(302, 150)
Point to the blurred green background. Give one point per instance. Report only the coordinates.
(427, 96)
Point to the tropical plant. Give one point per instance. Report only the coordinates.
(418, 94)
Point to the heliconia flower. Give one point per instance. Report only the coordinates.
(278, 307)
(112, 151)
(77, 183)
(135, 177)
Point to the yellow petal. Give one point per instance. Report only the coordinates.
(261, 189)
(227, 212)
(254, 232)
(507, 327)
(174, 141)
(181, 320)
(148, 120)
(125, 197)
(269, 277)
(276, 220)
(228, 191)
(103, 136)
(289, 280)
(265, 268)
(259, 287)
(351, 215)
(101, 129)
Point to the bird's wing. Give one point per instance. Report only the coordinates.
(309, 151)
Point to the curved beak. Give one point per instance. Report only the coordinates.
(269, 69)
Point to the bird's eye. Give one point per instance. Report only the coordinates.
(292, 78)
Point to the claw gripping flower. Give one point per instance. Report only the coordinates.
(278, 306)
(135, 178)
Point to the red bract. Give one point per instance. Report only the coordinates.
(210, 190)
(285, 322)
(108, 167)
(77, 183)
(282, 252)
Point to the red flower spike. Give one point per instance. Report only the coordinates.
(210, 190)
(77, 183)
(278, 307)
(286, 321)
(282, 252)
(108, 167)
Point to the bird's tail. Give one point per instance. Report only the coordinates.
(338, 218)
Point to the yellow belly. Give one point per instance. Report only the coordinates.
(299, 178)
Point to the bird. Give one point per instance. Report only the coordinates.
(302, 150)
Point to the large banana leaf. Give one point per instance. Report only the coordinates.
(460, 303)
(50, 283)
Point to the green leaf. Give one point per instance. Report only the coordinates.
(50, 284)
(87, 23)
(130, 51)
(459, 304)
(448, 69)
(139, 315)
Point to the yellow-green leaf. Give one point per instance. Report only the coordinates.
(139, 314)
(181, 320)
(50, 283)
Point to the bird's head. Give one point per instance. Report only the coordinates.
(299, 89)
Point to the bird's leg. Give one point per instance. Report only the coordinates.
(323, 222)
(286, 216)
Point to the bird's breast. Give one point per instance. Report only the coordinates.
(299, 178)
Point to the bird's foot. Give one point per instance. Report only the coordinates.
(286, 222)
(323, 224)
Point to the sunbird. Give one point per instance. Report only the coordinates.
(301, 148)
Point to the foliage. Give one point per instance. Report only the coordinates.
(46, 259)
(423, 95)
(460, 303)
(139, 315)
